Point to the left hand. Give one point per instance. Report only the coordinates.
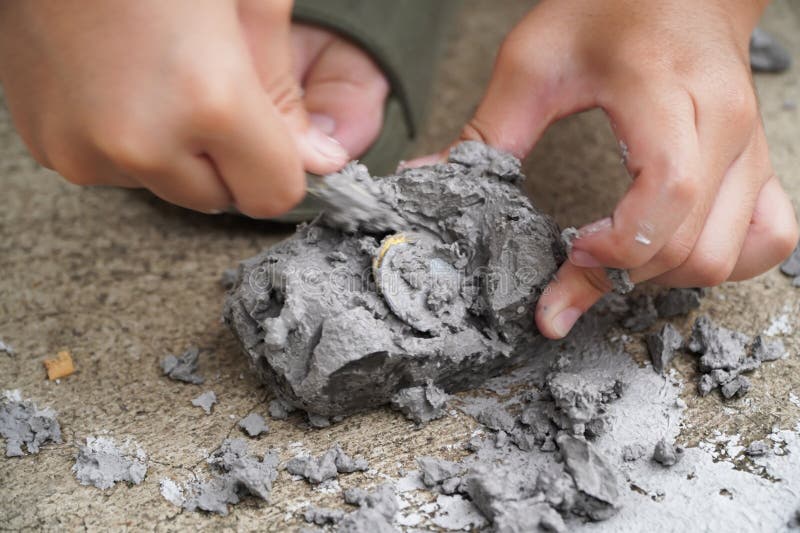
(674, 79)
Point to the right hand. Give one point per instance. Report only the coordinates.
(196, 100)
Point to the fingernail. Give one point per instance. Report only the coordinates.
(583, 259)
(423, 161)
(562, 323)
(324, 123)
(326, 146)
(600, 225)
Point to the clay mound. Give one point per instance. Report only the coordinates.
(457, 282)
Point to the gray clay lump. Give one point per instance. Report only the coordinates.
(344, 315)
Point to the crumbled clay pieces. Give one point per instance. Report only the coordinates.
(253, 425)
(206, 401)
(767, 54)
(724, 355)
(791, 267)
(620, 280)
(662, 346)
(421, 404)
(59, 367)
(327, 466)
(102, 463)
(470, 256)
(237, 473)
(24, 424)
(183, 368)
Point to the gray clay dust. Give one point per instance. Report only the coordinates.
(24, 424)
(587, 441)
(345, 314)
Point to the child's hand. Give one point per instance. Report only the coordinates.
(196, 100)
(705, 205)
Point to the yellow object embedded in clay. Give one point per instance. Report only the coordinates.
(59, 367)
(395, 239)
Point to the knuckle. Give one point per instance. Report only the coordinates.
(674, 254)
(128, 147)
(67, 164)
(740, 104)
(783, 238)
(680, 186)
(711, 270)
(212, 101)
(515, 58)
(282, 201)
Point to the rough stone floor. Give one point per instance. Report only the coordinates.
(121, 279)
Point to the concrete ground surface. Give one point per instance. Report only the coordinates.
(121, 279)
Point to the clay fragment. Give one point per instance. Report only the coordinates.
(421, 404)
(102, 462)
(593, 477)
(666, 453)
(279, 410)
(439, 474)
(376, 513)
(24, 424)
(662, 346)
(327, 466)
(767, 54)
(59, 367)
(322, 515)
(237, 474)
(206, 401)
(757, 448)
(183, 368)
(253, 425)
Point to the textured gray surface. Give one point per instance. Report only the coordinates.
(339, 322)
(122, 280)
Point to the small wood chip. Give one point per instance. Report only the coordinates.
(59, 367)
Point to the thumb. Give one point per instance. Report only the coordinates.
(345, 94)
(267, 29)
